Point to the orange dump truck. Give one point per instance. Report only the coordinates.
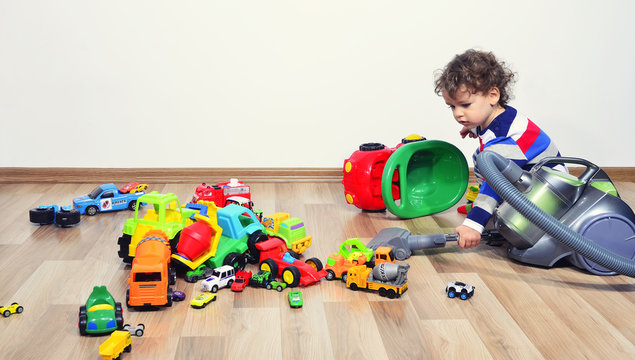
(151, 273)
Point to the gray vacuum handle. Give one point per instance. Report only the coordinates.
(591, 168)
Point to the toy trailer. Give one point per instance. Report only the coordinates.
(150, 274)
(118, 342)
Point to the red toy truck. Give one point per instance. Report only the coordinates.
(220, 192)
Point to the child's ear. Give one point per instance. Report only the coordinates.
(493, 95)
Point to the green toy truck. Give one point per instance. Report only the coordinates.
(163, 213)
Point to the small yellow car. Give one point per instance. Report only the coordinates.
(14, 308)
(202, 300)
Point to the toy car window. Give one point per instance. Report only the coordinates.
(93, 194)
(146, 277)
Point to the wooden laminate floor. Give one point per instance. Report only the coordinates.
(517, 312)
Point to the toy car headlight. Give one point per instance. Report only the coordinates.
(111, 324)
(91, 326)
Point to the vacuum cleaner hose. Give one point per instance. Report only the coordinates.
(492, 167)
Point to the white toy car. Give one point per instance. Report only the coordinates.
(223, 276)
(462, 290)
(134, 330)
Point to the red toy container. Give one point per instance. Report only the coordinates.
(363, 172)
(195, 239)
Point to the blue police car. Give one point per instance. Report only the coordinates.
(106, 197)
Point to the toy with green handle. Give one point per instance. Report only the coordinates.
(432, 177)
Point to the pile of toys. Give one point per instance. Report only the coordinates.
(211, 240)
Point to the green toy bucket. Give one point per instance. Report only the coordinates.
(432, 176)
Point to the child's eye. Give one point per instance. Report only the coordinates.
(451, 106)
(466, 105)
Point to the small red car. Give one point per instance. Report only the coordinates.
(128, 187)
(241, 281)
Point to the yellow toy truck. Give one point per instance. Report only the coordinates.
(118, 342)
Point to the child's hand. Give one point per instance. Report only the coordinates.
(467, 132)
(468, 237)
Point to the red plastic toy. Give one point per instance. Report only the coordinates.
(220, 192)
(363, 172)
(241, 281)
(276, 258)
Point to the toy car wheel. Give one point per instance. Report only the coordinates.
(67, 217)
(330, 275)
(171, 276)
(269, 286)
(353, 287)
(269, 265)
(215, 288)
(128, 348)
(463, 295)
(92, 210)
(19, 310)
(391, 294)
(119, 315)
(169, 303)
(279, 288)
(451, 294)
(140, 329)
(315, 263)
(6, 313)
(254, 238)
(344, 277)
(83, 320)
(128, 297)
(238, 261)
(132, 204)
(291, 275)
(124, 245)
(42, 215)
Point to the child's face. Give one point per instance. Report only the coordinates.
(473, 109)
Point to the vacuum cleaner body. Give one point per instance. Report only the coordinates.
(588, 205)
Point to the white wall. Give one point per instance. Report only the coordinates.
(202, 83)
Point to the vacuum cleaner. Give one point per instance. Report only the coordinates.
(547, 216)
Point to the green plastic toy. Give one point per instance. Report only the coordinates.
(432, 177)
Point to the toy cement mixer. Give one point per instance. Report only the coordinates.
(417, 177)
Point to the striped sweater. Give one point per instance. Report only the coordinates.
(516, 138)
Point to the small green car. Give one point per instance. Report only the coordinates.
(278, 285)
(295, 299)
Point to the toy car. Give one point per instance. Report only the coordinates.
(202, 300)
(101, 314)
(201, 272)
(278, 285)
(261, 279)
(276, 258)
(134, 330)
(60, 215)
(223, 276)
(105, 197)
(14, 308)
(178, 295)
(242, 279)
(295, 299)
(463, 290)
(128, 187)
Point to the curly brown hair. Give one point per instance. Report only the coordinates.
(479, 71)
